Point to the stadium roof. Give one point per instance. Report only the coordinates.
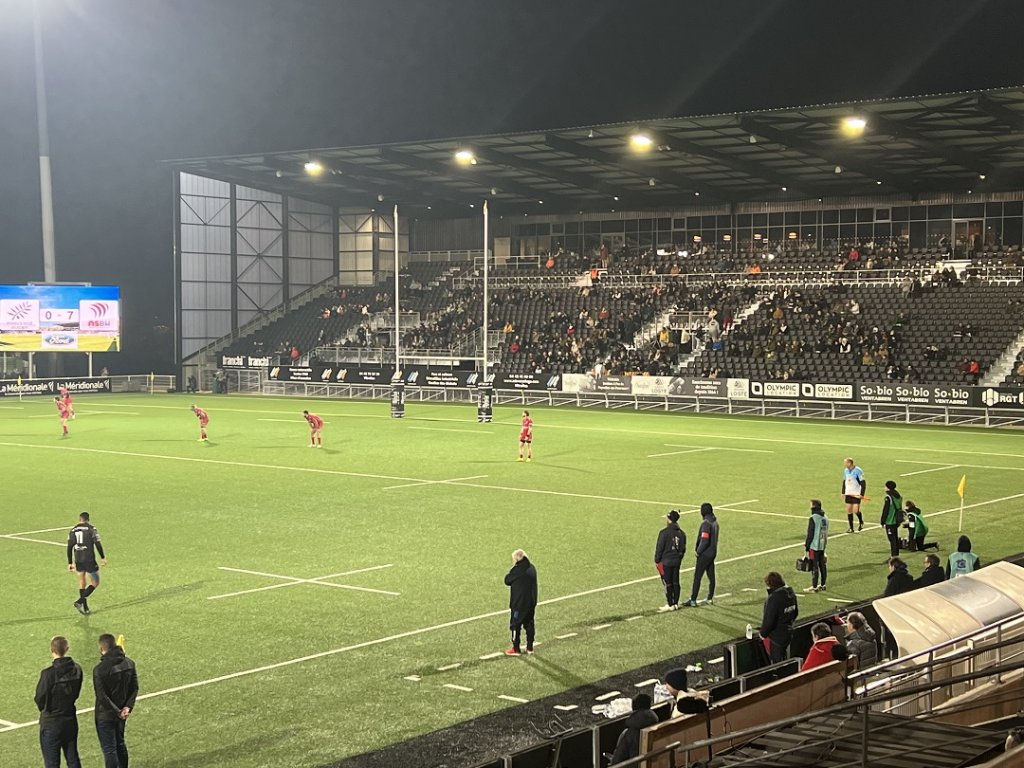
(910, 146)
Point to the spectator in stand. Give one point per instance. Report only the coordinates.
(628, 745)
(293, 355)
(780, 613)
(821, 652)
(899, 580)
(932, 573)
(861, 640)
(963, 561)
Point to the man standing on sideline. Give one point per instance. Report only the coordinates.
(780, 612)
(668, 556)
(56, 693)
(315, 425)
(892, 516)
(854, 489)
(204, 420)
(82, 541)
(814, 544)
(707, 551)
(117, 686)
(522, 601)
(526, 437)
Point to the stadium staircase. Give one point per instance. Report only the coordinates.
(1002, 370)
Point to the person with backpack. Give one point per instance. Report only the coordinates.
(814, 545)
(963, 561)
(668, 557)
(892, 517)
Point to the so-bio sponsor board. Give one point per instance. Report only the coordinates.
(51, 387)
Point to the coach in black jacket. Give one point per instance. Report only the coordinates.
(668, 557)
(56, 693)
(706, 551)
(522, 601)
(117, 686)
(780, 612)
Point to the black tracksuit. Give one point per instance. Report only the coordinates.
(707, 551)
(522, 601)
(117, 686)
(669, 554)
(780, 612)
(56, 693)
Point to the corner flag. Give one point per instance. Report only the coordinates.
(962, 487)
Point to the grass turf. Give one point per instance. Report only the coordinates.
(174, 512)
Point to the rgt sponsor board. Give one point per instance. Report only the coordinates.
(60, 318)
(51, 387)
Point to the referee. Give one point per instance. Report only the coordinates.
(83, 544)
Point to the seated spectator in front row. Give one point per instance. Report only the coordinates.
(628, 745)
(860, 640)
(932, 573)
(821, 651)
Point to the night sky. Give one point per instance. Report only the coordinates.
(133, 82)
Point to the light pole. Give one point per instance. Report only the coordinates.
(45, 180)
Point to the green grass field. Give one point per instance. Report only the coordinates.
(303, 673)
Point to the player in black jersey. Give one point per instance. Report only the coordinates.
(83, 544)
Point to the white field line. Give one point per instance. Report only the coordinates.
(448, 667)
(33, 541)
(412, 678)
(494, 655)
(926, 471)
(39, 530)
(290, 421)
(606, 696)
(634, 618)
(566, 636)
(445, 429)
(467, 620)
(291, 581)
(756, 512)
(12, 407)
(677, 453)
(601, 626)
(453, 481)
(7, 723)
(516, 699)
(720, 448)
(566, 707)
(968, 466)
(719, 660)
(645, 683)
(319, 471)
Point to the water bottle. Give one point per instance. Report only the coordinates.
(750, 632)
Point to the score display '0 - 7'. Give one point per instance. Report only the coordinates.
(60, 318)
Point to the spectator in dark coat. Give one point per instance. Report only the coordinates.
(522, 601)
(668, 557)
(117, 686)
(707, 551)
(628, 745)
(899, 580)
(861, 641)
(780, 613)
(932, 573)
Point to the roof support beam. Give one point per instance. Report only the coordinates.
(1000, 112)
(897, 130)
(586, 183)
(826, 153)
(602, 157)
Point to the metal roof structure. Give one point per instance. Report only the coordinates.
(910, 146)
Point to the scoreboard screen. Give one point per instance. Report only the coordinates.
(60, 318)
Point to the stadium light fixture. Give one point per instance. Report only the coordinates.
(785, 189)
(615, 198)
(313, 167)
(696, 194)
(465, 157)
(640, 141)
(838, 169)
(981, 176)
(727, 238)
(853, 126)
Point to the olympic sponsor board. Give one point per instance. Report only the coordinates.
(60, 318)
(801, 390)
(52, 387)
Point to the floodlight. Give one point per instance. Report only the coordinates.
(465, 157)
(853, 125)
(313, 168)
(641, 142)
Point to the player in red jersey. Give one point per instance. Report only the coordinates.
(315, 425)
(204, 419)
(67, 401)
(526, 437)
(62, 409)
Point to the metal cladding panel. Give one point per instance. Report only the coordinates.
(205, 295)
(201, 238)
(191, 184)
(206, 266)
(214, 211)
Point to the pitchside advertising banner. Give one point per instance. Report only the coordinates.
(51, 387)
(60, 318)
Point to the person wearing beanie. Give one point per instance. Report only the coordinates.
(707, 551)
(780, 613)
(963, 561)
(668, 557)
(814, 544)
(628, 745)
(892, 516)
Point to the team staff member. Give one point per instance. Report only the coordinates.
(892, 516)
(814, 544)
(204, 420)
(83, 544)
(522, 601)
(117, 685)
(932, 573)
(854, 489)
(668, 556)
(963, 561)
(918, 528)
(315, 425)
(780, 613)
(526, 437)
(56, 693)
(707, 551)
(62, 409)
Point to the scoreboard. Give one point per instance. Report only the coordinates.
(60, 318)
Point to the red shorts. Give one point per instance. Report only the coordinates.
(203, 422)
(525, 437)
